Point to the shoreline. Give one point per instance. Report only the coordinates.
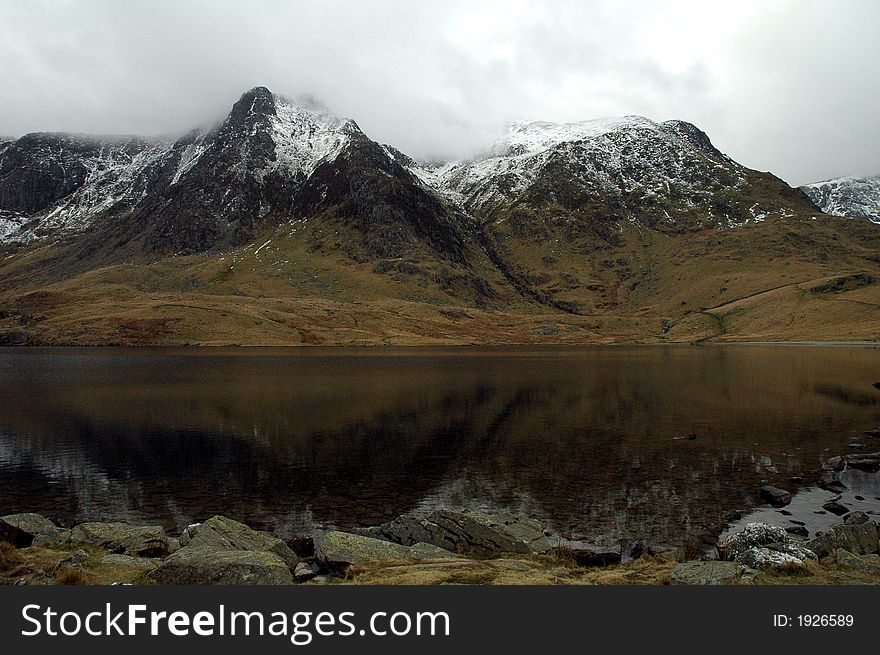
(448, 546)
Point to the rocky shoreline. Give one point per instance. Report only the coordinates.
(447, 545)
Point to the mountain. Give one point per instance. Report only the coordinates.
(285, 223)
(856, 197)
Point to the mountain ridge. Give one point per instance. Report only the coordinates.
(622, 228)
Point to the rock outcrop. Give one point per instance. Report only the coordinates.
(858, 539)
(122, 538)
(339, 550)
(203, 565)
(467, 531)
(22, 529)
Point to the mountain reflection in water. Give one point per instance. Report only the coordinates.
(579, 438)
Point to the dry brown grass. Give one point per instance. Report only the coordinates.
(9, 557)
(755, 283)
(40, 564)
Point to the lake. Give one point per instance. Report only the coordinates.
(583, 439)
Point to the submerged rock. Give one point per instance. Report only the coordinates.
(135, 540)
(707, 573)
(798, 531)
(829, 483)
(467, 531)
(221, 534)
(203, 565)
(21, 529)
(864, 462)
(342, 549)
(775, 496)
(835, 507)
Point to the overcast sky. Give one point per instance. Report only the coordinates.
(790, 86)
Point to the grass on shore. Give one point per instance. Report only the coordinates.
(43, 565)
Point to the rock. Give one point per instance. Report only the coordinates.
(850, 561)
(204, 565)
(586, 554)
(775, 496)
(857, 539)
(685, 437)
(122, 538)
(829, 483)
(877, 386)
(467, 531)
(751, 536)
(864, 462)
(785, 554)
(834, 464)
(835, 507)
(798, 531)
(21, 529)
(707, 573)
(303, 545)
(873, 433)
(670, 554)
(856, 518)
(339, 550)
(221, 533)
(50, 539)
(512, 565)
(857, 497)
(143, 564)
(76, 559)
(796, 479)
(305, 571)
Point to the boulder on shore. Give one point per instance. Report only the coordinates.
(751, 536)
(338, 550)
(203, 565)
(122, 538)
(220, 533)
(858, 539)
(467, 531)
(760, 545)
(707, 573)
(21, 529)
(850, 561)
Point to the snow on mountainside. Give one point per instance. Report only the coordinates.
(59, 183)
(223, 185)
(855, 197)
(631, 161)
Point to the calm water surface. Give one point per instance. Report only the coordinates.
(580, 438)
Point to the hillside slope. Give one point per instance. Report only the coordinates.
(285, 224)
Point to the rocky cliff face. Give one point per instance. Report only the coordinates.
(855, 197)
(269, 162)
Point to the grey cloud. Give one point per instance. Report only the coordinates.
(789, 86)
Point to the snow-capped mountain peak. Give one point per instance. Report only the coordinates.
(529, 137)
(306, 135)
(855, 197)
